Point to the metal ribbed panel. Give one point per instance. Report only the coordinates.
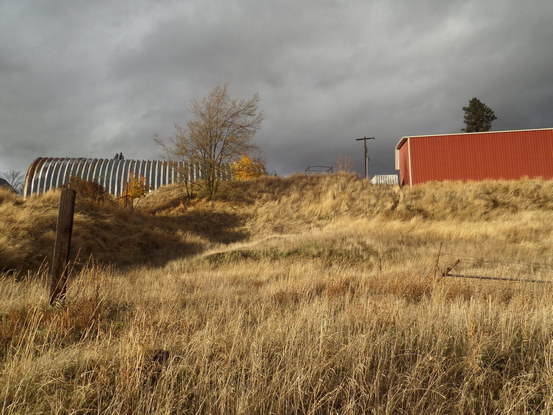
(99, 171)
(52, 173)
(88, 175)
(111, 180)
(156, 174)
(114, 188)
(404, 177)
(36, 175)
(49, 173)
(105, 172)
(139, 168)
(149, 174)
(59, 174)
(41, 178)
(132, 168)
(29, 177)
(63, 174)
(478, 156)
(96, 177)
(80, 166)
(74, 165)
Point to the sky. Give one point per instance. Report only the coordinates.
(81, 78)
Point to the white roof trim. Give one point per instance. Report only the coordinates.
(403, 139)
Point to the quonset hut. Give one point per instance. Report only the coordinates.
(112, 174)
(508, 155)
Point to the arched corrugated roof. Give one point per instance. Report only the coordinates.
(47, 173)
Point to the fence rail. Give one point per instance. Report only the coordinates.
(385, 179)
(495, 269)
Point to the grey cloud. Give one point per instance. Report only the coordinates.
(92, 78)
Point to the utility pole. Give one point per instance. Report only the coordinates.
(366, 154)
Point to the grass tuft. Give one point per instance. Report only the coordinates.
(298, 295)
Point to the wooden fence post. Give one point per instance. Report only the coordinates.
(58, 284)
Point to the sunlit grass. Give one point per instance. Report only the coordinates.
(330, 303)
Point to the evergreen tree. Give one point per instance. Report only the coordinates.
(478, 116)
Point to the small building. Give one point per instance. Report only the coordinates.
(507, 155)
(385, 179)
(47, 173)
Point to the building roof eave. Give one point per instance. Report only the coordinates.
(401, 142)
(404, 139)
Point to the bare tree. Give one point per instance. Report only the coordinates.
(344, 164)
(221, 132)
(14, 178)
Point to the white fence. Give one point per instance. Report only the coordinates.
(386, 179)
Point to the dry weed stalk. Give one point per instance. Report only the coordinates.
(339, 314)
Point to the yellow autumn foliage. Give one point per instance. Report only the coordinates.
(247, 169)
(135, 188)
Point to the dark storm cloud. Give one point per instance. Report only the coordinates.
(83, 78)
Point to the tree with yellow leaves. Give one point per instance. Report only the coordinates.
(222, 129)
(135, 188)
(248, 169)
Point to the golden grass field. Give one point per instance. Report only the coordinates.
(285, 296)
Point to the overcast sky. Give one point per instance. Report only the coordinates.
(83, 78)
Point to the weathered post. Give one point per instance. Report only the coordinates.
(364, 139)
(62, 246)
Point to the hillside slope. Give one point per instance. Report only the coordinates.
(168, 225)
(297, 295)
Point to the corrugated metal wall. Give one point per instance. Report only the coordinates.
(478, 156)
(49, 173)
(404, 177)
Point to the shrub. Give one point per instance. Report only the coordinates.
(248, 169)
(89, 190)
(135, 188)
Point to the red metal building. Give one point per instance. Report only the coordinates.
(506, 155)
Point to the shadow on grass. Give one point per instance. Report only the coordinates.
(124, 239)
(157, 240)
(217, 227)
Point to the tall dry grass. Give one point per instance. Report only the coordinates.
(330, 303)
(102, 232)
